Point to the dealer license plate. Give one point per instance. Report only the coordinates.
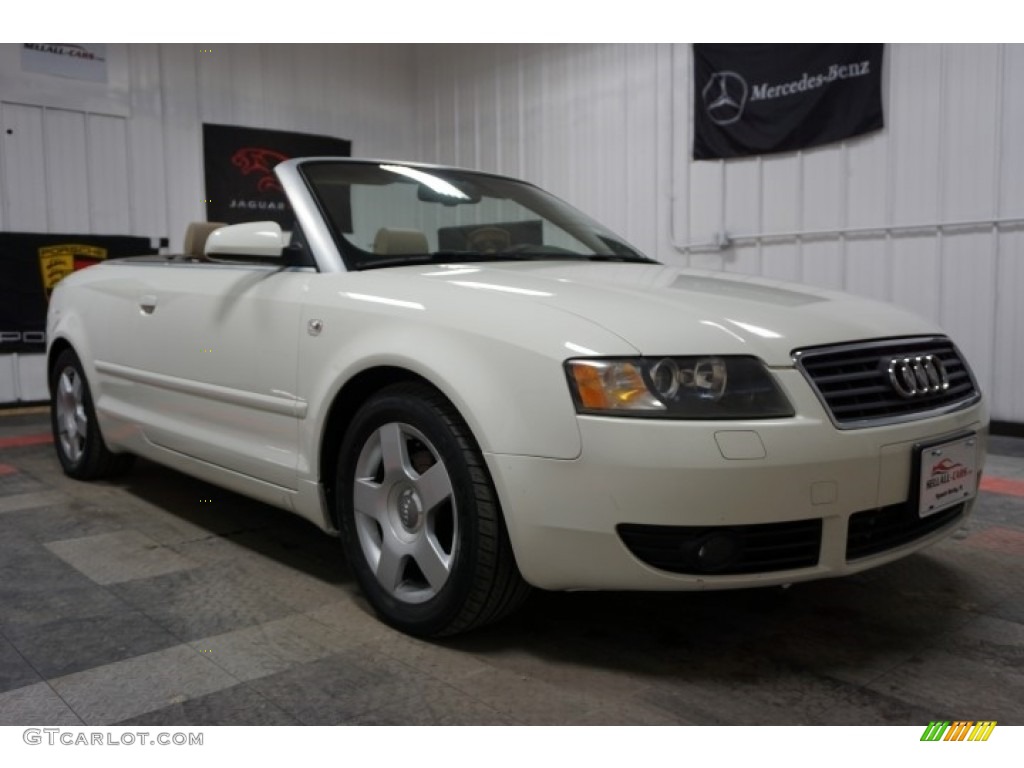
(948, 474)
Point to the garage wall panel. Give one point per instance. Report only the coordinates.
(557, 110)
(643, 94)
(508, 114)
(746, 259)
(182, 103)
(916, 275)
(67, 172)
(743, 181)
(968, 271)
(9, 392)
(1010, 164)
(1008, 365)
(679, 130)
(23, 164)
(914, 131)
(110, 202)
(147, 168)
(32, 378)
(867, 181)
(282, 86)
(970, 117)
(244, 66)
(867, 269)
(213, 77)
(823, 192)
(487, 119)
(823, 263)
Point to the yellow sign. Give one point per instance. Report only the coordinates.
(58, 261)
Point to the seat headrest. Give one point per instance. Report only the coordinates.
(399, 242)
(195, 237)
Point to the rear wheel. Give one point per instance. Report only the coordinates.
(76, 434)
(419, 518)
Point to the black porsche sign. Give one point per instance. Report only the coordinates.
(32, 264)
(239, 162)
(756, 99)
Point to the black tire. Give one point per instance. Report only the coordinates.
(76, 433)
(428, 543)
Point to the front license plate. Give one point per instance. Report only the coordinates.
(948, 474)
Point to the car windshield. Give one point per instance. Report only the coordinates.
(388, 214)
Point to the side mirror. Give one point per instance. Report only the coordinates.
(254, 239)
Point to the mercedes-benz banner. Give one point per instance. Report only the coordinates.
(756, 99)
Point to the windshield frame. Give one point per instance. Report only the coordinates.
(604, 244)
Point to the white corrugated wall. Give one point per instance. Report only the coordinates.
(926, 213)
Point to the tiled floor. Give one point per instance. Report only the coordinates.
(161, 600)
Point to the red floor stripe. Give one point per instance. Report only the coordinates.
(7, 469)
(1002, 485)
(998, 539)
(23, 440)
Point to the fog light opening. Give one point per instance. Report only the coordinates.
(716, 551)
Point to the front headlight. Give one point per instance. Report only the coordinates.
(707, 387)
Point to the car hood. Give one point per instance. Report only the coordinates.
(663, 310)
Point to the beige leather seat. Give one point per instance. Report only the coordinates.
(399, 242)
(195, 238)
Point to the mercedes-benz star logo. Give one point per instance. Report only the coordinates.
(724, 97)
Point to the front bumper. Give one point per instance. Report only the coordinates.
(564, 516)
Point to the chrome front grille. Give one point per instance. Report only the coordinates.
(856, 384)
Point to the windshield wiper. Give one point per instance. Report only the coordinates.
(623, 258)
(405, 260)
(447, 257)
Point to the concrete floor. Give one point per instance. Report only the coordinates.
(160, 600)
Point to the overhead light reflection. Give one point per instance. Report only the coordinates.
(757, 330)
(450, 272)
(500, 288)
(721, 327)
(383, 300)
(580, 349)
(440, 186)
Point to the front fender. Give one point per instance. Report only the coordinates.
(508, 384)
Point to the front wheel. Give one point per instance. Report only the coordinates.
(419, 518)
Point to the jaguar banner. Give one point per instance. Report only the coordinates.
(239, 164)
(755, 99)
(32, 264)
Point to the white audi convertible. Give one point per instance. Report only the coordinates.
(479, 389)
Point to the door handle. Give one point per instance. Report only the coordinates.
(148, 303)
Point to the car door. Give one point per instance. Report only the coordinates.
(218, 361)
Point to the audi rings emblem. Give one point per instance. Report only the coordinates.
(918, 376)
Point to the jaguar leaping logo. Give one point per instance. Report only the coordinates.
(725, 97)
(262, 161)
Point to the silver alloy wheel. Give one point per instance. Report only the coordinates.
(405, 513)
(72, 423)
